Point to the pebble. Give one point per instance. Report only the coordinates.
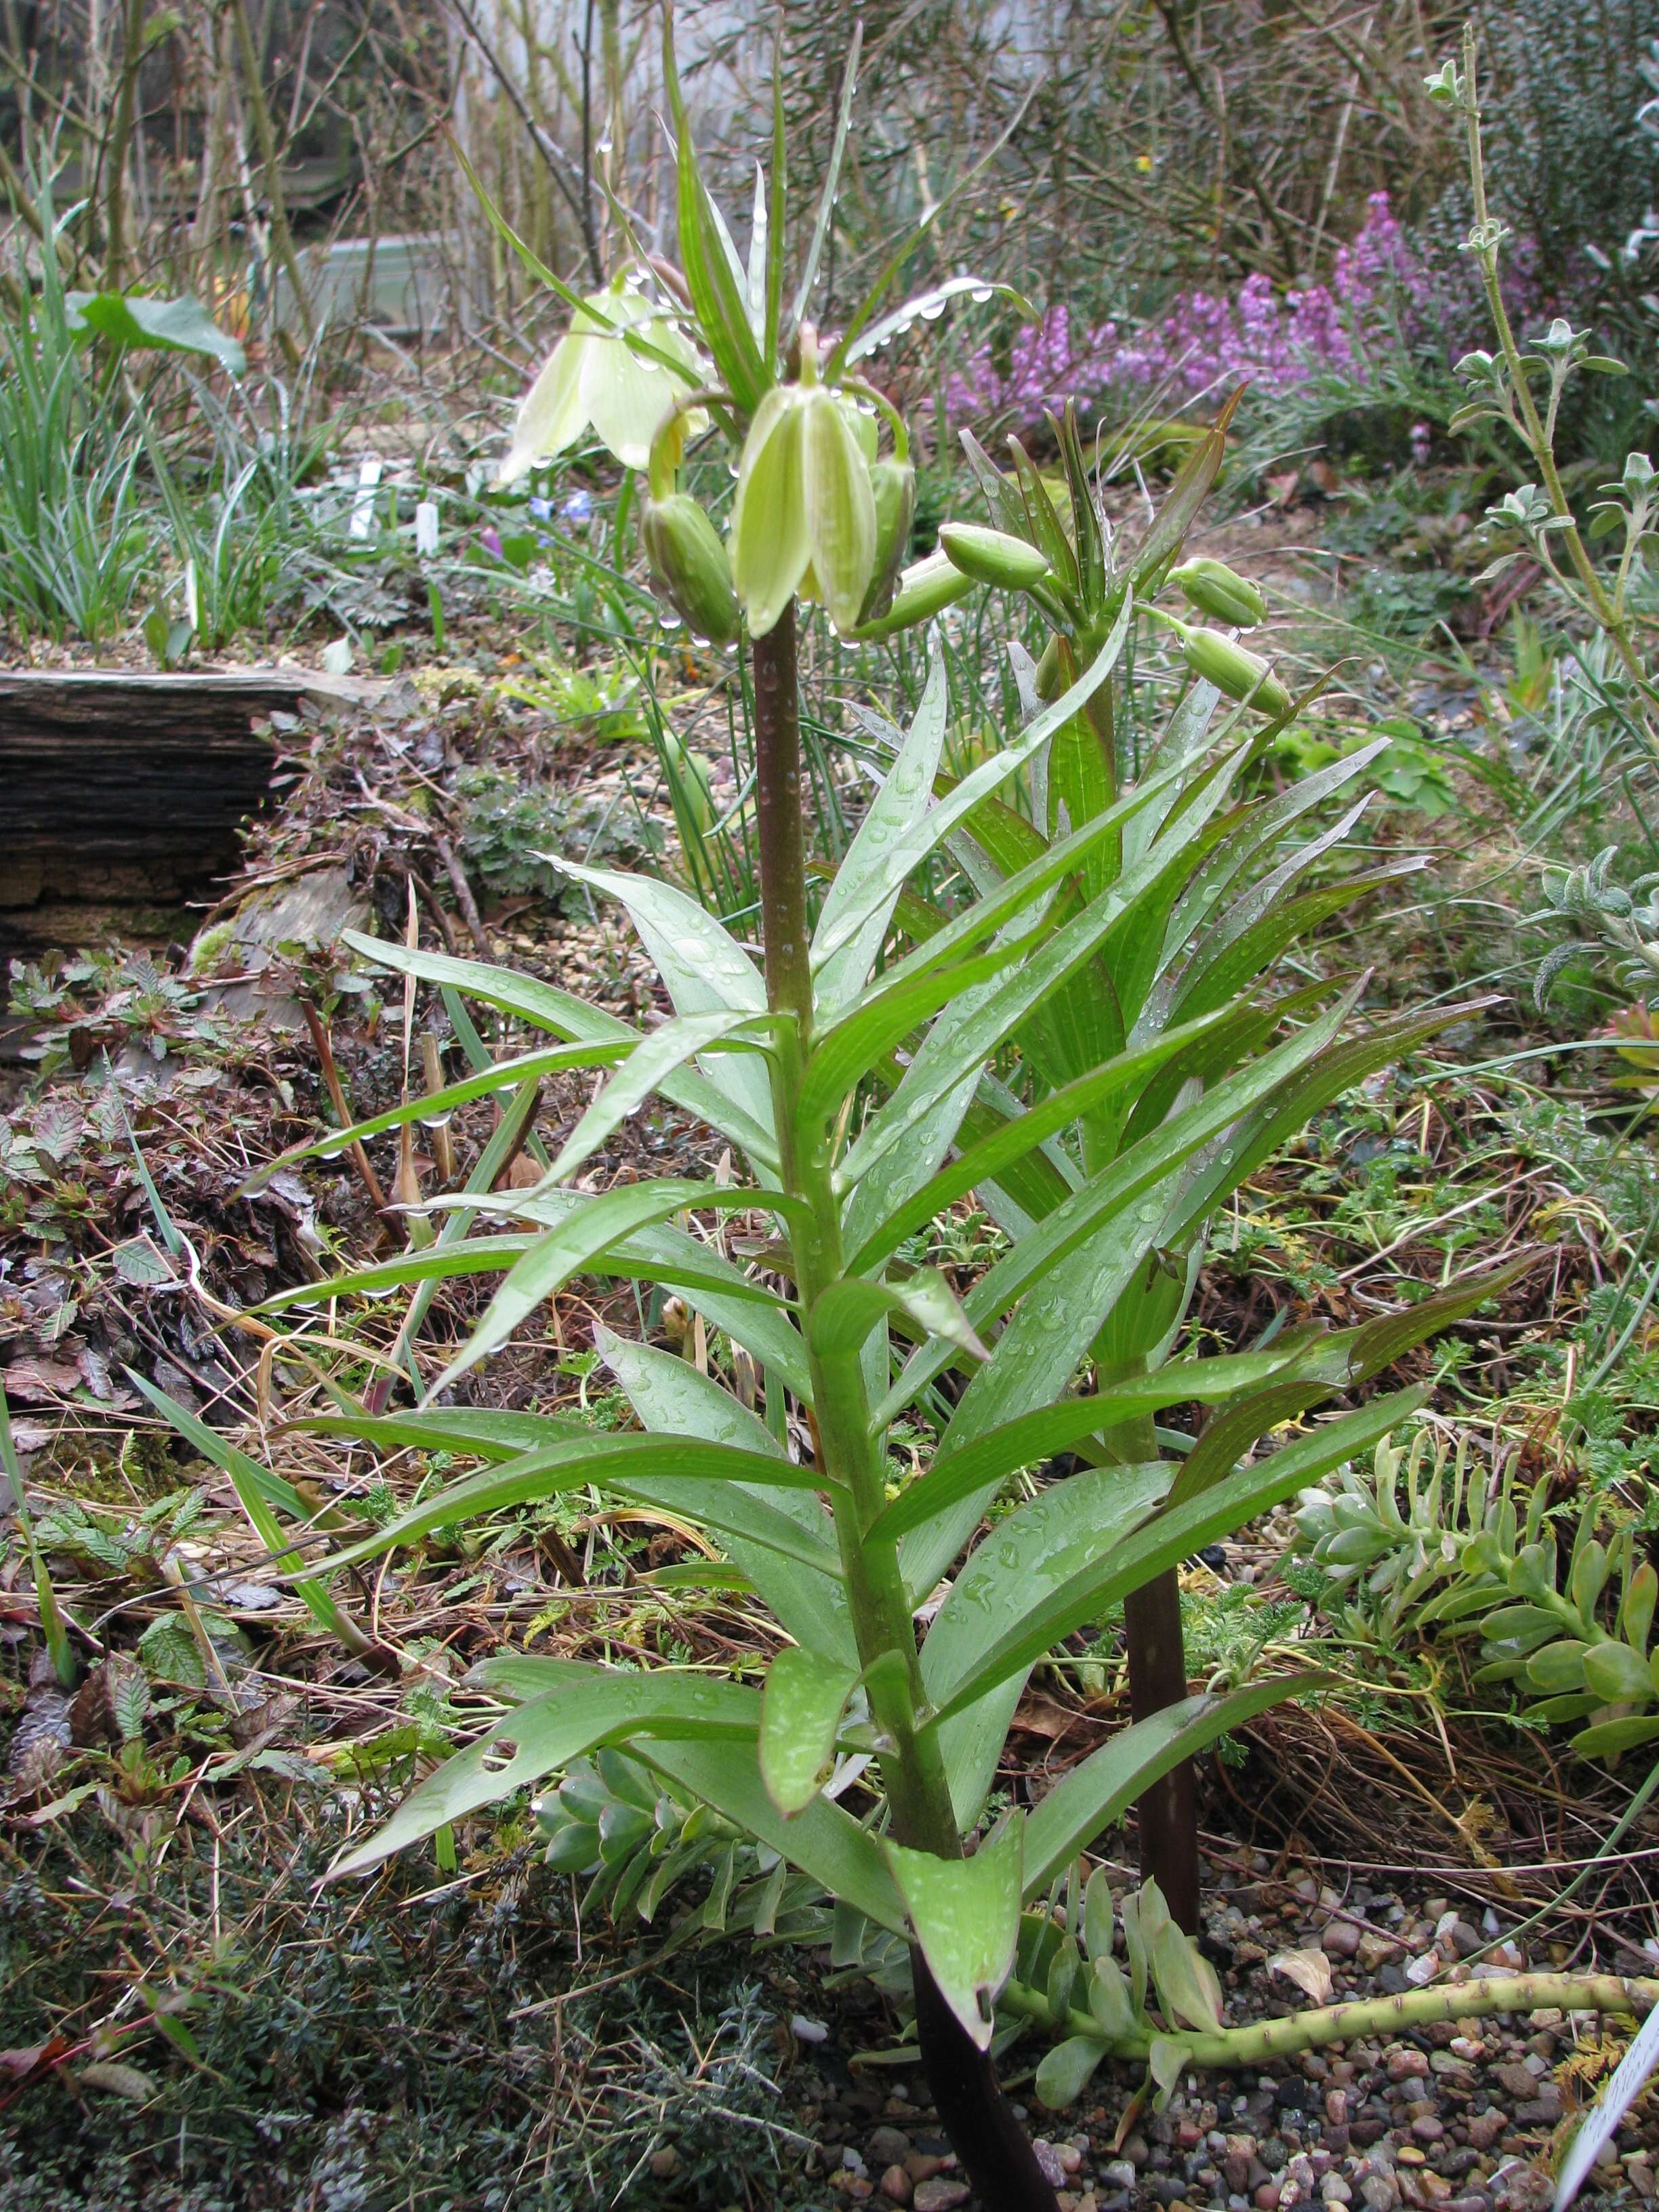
(1049, 2159)
(942, 2193)
(888, 2146)
(1404, 2062)
(896, 2185)
(1341, 1939)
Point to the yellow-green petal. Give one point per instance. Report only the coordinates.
(840, 507)
(770, 549)
(552, 414)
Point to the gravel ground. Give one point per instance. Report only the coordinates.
(1462, 2117)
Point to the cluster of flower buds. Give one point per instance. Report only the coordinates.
(820, 513)
(1056, 551)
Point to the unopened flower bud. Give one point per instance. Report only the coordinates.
(1234, 669)
(925, 589)
(1220, 592)
(689, 568)
(1046, 680)
(993, 556)
(894, 485)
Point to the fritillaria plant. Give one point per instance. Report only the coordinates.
(1110, 934)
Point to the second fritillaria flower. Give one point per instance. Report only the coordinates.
(805, 516)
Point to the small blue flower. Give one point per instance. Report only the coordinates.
(542, 509)
(578, 509)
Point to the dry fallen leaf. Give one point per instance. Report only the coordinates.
(1311, 1970)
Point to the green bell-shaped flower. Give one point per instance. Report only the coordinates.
(805, 516)
(595, 379)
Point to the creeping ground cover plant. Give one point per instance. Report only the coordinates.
(1084, 1027)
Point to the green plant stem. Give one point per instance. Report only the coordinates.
(1343, 2023)
(993, 2148)
(1537, 437)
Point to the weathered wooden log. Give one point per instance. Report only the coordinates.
(117, 784)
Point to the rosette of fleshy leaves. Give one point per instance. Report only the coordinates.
(651, 361)
(636, 1841)
(1422, 1539)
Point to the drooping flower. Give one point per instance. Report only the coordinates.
(596, 379)
(805, 516)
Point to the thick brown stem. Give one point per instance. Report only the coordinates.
(782, 831)
(996, 2153)
(1167, 1814)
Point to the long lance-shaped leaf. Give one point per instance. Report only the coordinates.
(924, 306)
(548, 1008)
(1244, 1029)
(581, 1239)
(1211, 980)
(859, 320)
(1001, 492)
(674, 1260)
(1261, 828)
(896, 808)
(966, 1045)
(824, 1841)
(953, 1050)
(1236, 924)
(1186, 495)
(989, 1158)
(514, 1128)
(502, 1075)
(778, 201)
(671, 1396)
(669, 1259)
(635, 340)
(494, 1255)
(1330, 1361)
(645, 1071)
(488, 1432)
(1040, 1548)
(861, 1039)
(995, 909)
(256, 1488)
(1305, 1095)
(589, 1706)
(1360, 1352)
(912, 847)
(603, 1460)
(1098, 1789)
(1132, 1180)
(706, 970)
(1173, 1536)
(716, 289)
